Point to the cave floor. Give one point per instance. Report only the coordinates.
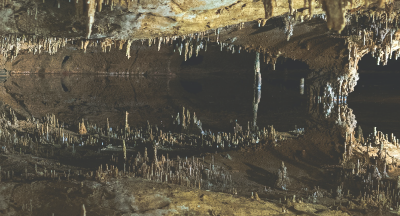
(312, 168)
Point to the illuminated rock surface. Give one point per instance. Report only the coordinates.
(172, 107)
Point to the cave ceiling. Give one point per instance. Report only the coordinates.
(126, 36)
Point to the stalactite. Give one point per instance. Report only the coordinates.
(99, 5)
(291, 10)
(269, 6)
(121, 44)
(335, 13)
(311, 8)
(79, 7)
(128, 48)
(186, 49)
(190, 50)
(90, 20)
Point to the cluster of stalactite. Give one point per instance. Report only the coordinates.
(376, 34)
(270, 58)
(336, 14)
(188, 45)
(373, 32)
(12, 44)
(88, 8)
(293, 18)
(191, 44)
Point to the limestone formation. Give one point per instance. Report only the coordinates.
(82, 128)
(83, 211)
(376, 174)
(283, 180)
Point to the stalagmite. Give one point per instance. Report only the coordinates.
(124, 149)
(85, 44)
(398, 182)
(83, 211)
(283, 180)
(108, 127)
(376, 174)
(126, 121)
(256, 197)
(82, 128)
(121, 44)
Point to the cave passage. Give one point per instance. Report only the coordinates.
(199, 107)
